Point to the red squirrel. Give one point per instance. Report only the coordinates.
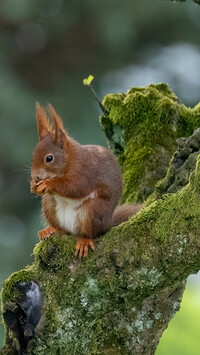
(80, 185)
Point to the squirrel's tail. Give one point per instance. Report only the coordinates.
(123, 212)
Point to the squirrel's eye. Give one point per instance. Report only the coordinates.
(49, 158)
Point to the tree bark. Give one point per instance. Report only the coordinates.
(121, 298)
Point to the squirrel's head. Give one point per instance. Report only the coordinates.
(50, 157)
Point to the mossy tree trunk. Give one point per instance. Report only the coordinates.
(121, 298)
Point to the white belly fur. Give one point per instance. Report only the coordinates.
(67, 210)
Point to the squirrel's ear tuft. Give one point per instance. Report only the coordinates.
(43, 125)
(60, 134)
(62, 138)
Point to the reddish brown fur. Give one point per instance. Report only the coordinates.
(124, 212)
(76, 172)
(95, 217)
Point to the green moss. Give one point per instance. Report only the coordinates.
(79, 312)
(46, 253)
(142, 127)
(9, 289)
(6, 350)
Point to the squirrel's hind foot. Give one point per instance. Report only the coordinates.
(82, 246)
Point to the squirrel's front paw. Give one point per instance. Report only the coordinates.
(42, 187)
(33, 186)
(47, 232)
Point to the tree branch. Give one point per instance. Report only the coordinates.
(121, 298)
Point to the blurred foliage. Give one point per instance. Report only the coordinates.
(182, 335)
(196, 1)
(46, 49)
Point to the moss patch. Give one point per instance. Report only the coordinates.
(142, 127)
(9, 290)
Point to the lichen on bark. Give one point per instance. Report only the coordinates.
(182, 164)
(121, 298)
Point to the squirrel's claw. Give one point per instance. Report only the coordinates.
(82, 246)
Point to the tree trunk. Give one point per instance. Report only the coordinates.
(121, 298)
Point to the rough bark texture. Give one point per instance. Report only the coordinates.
(121, 298)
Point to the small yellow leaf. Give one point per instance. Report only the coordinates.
(87, 81)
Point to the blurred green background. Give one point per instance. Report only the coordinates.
(46, 49)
